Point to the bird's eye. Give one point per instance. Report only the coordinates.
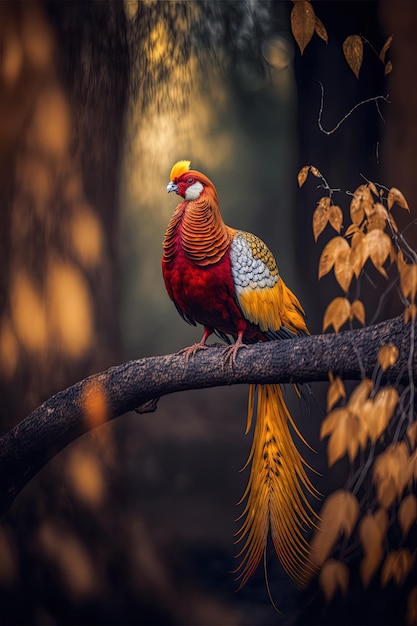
(190, 180)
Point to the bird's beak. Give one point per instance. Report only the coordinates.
(172, 187)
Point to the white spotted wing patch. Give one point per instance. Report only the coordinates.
(252, 263)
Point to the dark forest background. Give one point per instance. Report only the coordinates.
(134, 522)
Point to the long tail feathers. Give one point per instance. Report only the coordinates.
(275, 496)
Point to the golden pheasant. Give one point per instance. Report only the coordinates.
(228, 281)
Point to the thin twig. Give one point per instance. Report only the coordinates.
(365, 469)
(383, 298)
(338, 125)
(326, 185)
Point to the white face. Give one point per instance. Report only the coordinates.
(193, 191)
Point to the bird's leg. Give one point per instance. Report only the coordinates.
(201, 345)
(231, 351)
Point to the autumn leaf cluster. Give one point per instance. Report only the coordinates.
(305, 23)
(340, 517)
(358, 430)
(374, 426)
(371, 237)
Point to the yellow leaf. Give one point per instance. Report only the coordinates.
(321, 30)
(391, 473)
(95, 403)
(348, 510)
(359, 406)
(338, 516)
(412, 607)
(335, 426)
(386, 492)
(388, 68)
(303, 23)
(412, 434)
(330, 253)
(381, 519)
(336, 314)
(359, 395)
(367, 413)
(352, 229)
(371, 539)
(397, 566)
(357, 212)
(385, 48)
(408, 280)
(347, 434)
(358, 310)
(412, 469)
(379, 209)
(336, 217)
(86, 477)
(359, 253)
(315, 171)
(373, 188)
(358, 236)
(387, 356)
(343, 270)
(353, 51)
(362, 201)
(370, 564)
(379, 247)
(370, 534)
(400, 260)
(407, 513)
(377, 217)
(302, 175)
(395, 195)
(368, 205)
(380, 412)
(335, 392)
(334, 575)
(320, 216)
(385, 402)
(410, 312)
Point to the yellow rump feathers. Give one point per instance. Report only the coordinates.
(272, 307)
(178, 169)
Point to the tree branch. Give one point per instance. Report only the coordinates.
(26, 448)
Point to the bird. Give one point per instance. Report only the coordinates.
(227, 280)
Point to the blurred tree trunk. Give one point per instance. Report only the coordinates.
(64, 85)
(400, 137)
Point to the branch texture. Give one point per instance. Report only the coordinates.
(137, 385)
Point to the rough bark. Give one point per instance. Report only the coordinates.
(25, 449)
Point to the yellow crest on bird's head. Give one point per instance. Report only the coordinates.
(179, 168)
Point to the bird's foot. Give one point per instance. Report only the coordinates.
(191, 350)
(230, 353)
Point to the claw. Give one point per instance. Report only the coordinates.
(201, 345)
(230, 353)
(191, 350)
